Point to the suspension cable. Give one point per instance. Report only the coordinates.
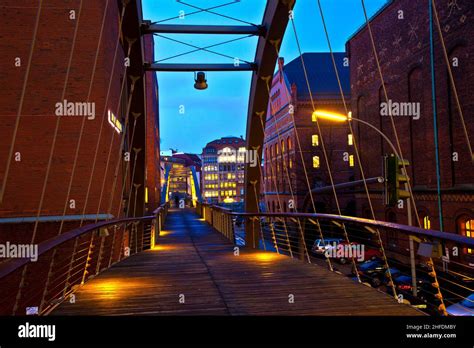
(298, 143)
(81, 132)
(33, 237)
(99, 137)
(323, 144)
(20, 106)
(431, 264)
(359, 162)
(453, 82)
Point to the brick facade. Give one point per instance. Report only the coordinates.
(401, 34)
(44, 88)
(288, 144)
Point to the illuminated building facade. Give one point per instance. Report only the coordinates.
(295, 148)
(223, 170)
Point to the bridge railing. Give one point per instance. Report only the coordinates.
(218, 217)
(69, 260)
(427, 268)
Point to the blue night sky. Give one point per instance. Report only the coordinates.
(221, 110)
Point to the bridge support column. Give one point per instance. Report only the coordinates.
(275, 21)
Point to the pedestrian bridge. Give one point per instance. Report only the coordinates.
(195, 270)
(209, 260)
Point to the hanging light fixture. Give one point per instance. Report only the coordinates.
(200, 80)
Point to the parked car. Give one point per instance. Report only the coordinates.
(375, 273)
(319, 248)
(369, 254)
(425, 298)
(463, 308)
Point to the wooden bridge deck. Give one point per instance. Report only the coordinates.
(196, 264)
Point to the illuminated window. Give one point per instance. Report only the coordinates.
(467, 229)
(288, 141)
(290, 163)
(350, 139)
(316, 162)
(315, 140)
(426, 222)
(282, 147)
(351, 161)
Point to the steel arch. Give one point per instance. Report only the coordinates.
(275, 21)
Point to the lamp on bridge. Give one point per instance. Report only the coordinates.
(200, 80)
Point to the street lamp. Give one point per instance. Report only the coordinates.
(332, 116)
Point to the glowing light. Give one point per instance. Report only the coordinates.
(328, 115)
(114, 122)
(113, 289)
(266, 257)
(228, 200)
(161, 247)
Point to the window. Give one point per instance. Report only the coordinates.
(351, 160)
(282, 147)
(466, 226)
(315, 140)
(289, 143)
(350, 140)
(316, 163)
(426, 222)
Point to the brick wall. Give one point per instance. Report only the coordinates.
(44, 89)
(401, 33)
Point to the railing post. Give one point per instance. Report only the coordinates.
(301, 242)
(252, 233)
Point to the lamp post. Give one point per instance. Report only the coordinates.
(331, 116)
(327, 115)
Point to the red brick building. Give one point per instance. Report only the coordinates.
(401, 34)
(291, 139)
(44, 87)
(153, 160)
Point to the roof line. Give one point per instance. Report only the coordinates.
(379, 11)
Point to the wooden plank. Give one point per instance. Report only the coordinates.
(194, 260)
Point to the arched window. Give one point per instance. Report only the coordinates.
(282, 147)
(316, 162)
(425, 220)
(289, 144)
(465, 226)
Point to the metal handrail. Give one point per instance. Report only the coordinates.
(439, 275)
(11, 265)
(68, 270)
(350, 219)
